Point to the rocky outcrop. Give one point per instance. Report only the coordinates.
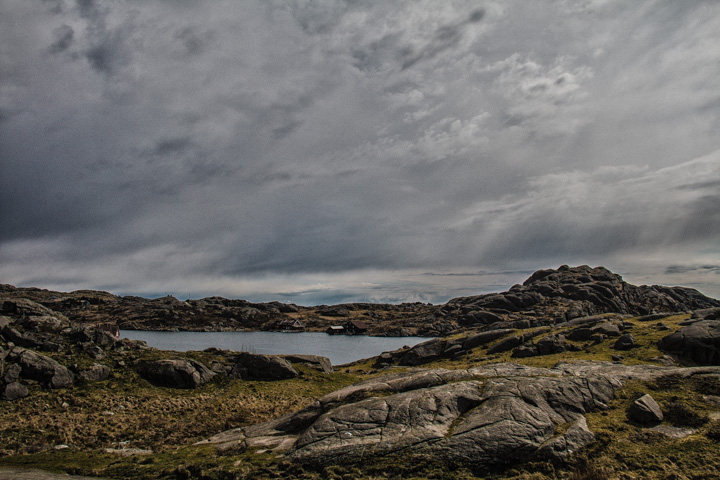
(175, 373)
(699, 341)
(436, 349)
(548, 345)
(478, 418)
(313, 361)
(41, 368)
(580, 291)
(546, 297)
(251, 366)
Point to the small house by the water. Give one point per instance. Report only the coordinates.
(352, 327)
(356, 327)
(291, 325)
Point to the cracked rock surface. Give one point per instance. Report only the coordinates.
(480, 417)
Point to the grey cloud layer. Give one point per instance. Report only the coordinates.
(249, 146)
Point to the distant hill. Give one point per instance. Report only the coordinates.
(546, 297)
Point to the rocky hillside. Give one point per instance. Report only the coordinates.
(547, 297)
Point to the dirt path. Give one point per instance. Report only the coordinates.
(12, 473)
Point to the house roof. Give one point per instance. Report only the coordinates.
(359, 324)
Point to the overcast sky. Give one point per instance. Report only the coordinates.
(329, 151)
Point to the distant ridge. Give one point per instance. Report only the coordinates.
(546, 297)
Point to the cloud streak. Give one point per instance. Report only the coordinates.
(345, 150)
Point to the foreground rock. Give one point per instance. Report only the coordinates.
(479, 418)
(41, 368)
(645, 410)
(175, 373)
(699, 341)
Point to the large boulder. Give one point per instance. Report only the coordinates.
(96, 373)
(423, 352)
(13, 391)
(645, 410)
(29, 340)
(252, 366)
(699, 342)
(41, 368)
(175, 373)
(625, 342)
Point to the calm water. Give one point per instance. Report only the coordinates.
(340, 349)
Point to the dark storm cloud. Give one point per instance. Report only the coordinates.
(171, 146)
(446, 37)
(108, 52)
(338, 150)
(194, 40)
(673, 269)
(63, 38)
(395, 49)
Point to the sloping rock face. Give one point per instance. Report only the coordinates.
(438, 348)
(480, 418)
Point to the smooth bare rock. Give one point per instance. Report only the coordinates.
(699, 342)
(473, 422)
(386, 425)
(480, 417)
(41, 368)
(175, 373)
(645, 410)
